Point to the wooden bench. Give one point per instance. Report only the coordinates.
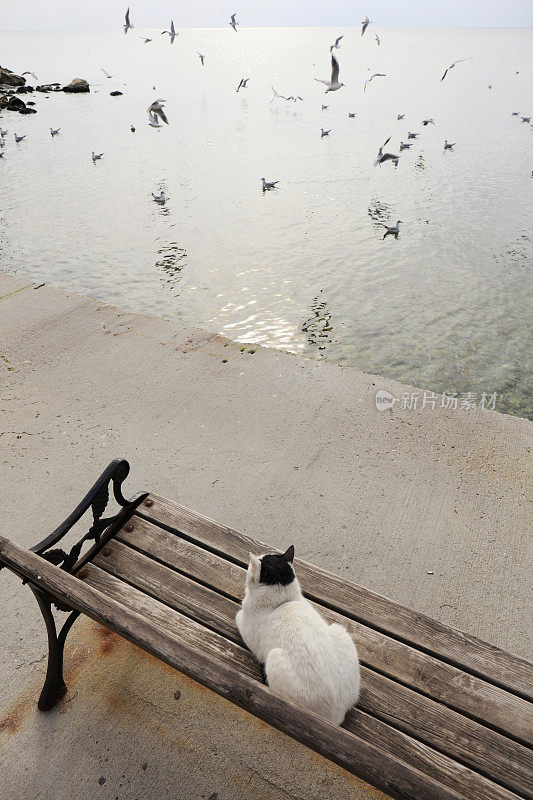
(441, 714)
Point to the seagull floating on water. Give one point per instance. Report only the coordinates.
(201, 57)
(132, 129)
(448, 145)
(54, 132)
(96, 156)
(515, 113)
(324, 107)
(160, 198)
(127, 24)
(233, 22)
(382, 157)
(324, 133)
(428, 121)
(525, 119)
(400, 116)
(352, 114)
(405, 145)
(336, 46)
(413, 135)
(365, 23)
(378, 40)
(172, 32)
(268, 184)
(19, 138)
(453, 65)
(242, 84)
(332, 84)
(3, 133)
(156, 108)
(392, 230)
(375, 75)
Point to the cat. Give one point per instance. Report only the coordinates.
(303, 658)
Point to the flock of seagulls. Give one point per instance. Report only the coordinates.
(157, 115)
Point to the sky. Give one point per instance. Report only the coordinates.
(39, 15)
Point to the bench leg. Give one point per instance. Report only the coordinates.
(54, 686)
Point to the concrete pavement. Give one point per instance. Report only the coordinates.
(429, 507)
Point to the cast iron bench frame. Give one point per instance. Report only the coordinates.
(442, 715)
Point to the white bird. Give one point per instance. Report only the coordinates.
(268, 184)
(336, 45)
(2, 143)
(352, 114)
(54, 132)
(324, 133)
(453, 65)
(276, 95)
(400, 116)
(392, 230)
(3, 133)
(428, 121)
(157, 109)
(375, 75)
(172, 32)
(382, 157)
(378, 40)
(30, 73)
(233, 22)
(242, 84)
(153, 120)
(405, 145)
(19, 138)
(448, 146)
(201, 57)
(106, 73)
(294, 99)
(412, 135)
(160, 198)
(127, 24)
(145, 40)
(365, 23)
(332, 84)
(96, 156)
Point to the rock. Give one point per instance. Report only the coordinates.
(14, 103)
(8, 78)
(24, 89)
(115, 93)
(30, 103)
(28, 111)
(77, 85)
(49, 87)
(4, 100)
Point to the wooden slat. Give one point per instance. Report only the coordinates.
(462, 650)
(411, 752)
(352, 752)
(454, 735)
(461, 691)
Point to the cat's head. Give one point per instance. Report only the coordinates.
(271, 570)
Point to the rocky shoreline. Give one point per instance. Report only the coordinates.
(13, 85)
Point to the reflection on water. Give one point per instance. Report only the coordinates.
(443, 307)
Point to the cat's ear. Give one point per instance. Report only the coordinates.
(288, 555)
(255, 566)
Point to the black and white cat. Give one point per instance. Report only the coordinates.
(304, 659)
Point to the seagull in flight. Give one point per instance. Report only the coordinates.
(382, 157)
(336, 45)
(392, 230)
(332, 84)
(453, 65)
(375, 75)
(242, 84)
(19, 138)
(515, 113)
(32, 74)
(156, 108)
(405, 145)
(428, 121)
(365, 23)
(400, 116)
(172, 32)
(294, 99)
(144, 39)
(96, 156)
(153, 121)
(268, 184)
(324, 133)
(412, 135)
(324, 107)
(127, 24)
(525, 119)
(201, 57)
(378, 40)
(160, 198)
(448, 145)
(352, 114)
(54, 132)
(233, 22)
(106, 73)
